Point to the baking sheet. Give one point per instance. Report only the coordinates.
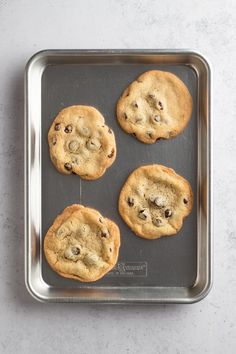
(170, 261)
(170, 269)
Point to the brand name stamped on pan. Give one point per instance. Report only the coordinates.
(129, 269)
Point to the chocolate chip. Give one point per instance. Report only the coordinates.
(130, 201)
(161, 139)
(143, 214)
(135, 104)
(171, 134)
(110, 249)
(93, 144)
(109, 131)
(73, 145)
(68, 166)
(74, 173)
(75, 160)
(149, 134)
(185, 201)
(160, 201)
(68, 129)
(85, 131)
(104, 234)
(111, 154)
(125, 115)
(160, 105)
(157, 118)
(168, 213)
(133, 134)
(54, 140)
(57, 126)
(157, 222)
(152, 198)
(75, 251)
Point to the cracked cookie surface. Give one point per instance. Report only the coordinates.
(82, 244)
(81, 143)
(154, 201)
(156, 105)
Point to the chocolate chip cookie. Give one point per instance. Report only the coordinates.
(156, 105)
(154, 201)
(82, 244)
(81, 143)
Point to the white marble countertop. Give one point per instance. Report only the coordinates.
(26, 326)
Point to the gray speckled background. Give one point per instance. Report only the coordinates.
(30, 327)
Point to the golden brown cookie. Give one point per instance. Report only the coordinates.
(81, 143)
(81, 244)
(154, 201)
(156, 105)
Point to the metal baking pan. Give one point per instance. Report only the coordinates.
(173, 269)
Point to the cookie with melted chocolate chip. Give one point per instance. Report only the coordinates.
(154, 201)
(81, 143)
(81, 244)
(156, 105)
